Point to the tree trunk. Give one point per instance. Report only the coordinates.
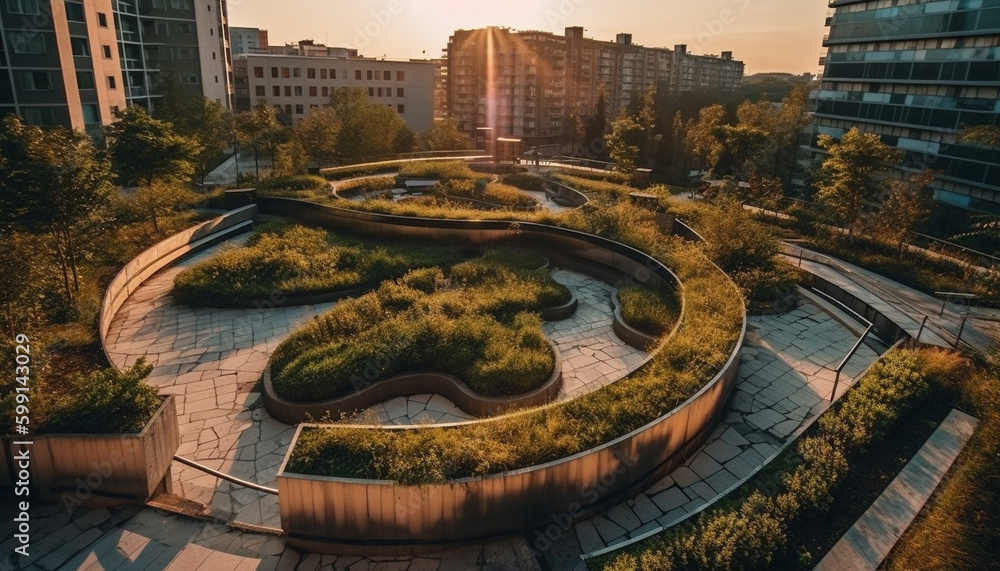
(62, 264)
(72, 260)
(156, 224)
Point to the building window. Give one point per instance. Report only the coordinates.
(107, 51)
(298, 91)
(85, 80)
(102, 19)
(288, 109)
(401, 108)
(288, 91)
(184, 29)
(313, 92)
(333, 74)
(112, 84)
(159, 4)
(326, 91)
(380, 92)
(27, 43)
(79, 47)
(322, 73)
(400, 76)
(180, 4)
(35, 81)
(162, 28)
(74, 12)
(285, 73)
(185, 53)
(386, 75)
(260, 92)
(28, 7)
(39, 115)
(91, 113)
(297, 72)
(189, 78)
(299, 110)
(371, 92)
(258, 72)
(276, 90)
(213, 55)
(311, 73)
(357, 74)
(399, 92)
(274, 72)
(369, 75)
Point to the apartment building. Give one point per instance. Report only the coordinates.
(296, 78)
(247, 40)
(59, 63)
(918, 73)
(185, 42)
(527, 84)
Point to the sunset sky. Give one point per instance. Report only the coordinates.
(769, 35)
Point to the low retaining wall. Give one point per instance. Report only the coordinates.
(565, 195)
(419, 383)
(630, 335)
(105, 469)
(166, 253)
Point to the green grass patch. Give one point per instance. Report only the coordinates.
(475, 323)
(440, 170)
(525, 181)
(282, 260)
(648, 311)
(366, 185)
(297, 186)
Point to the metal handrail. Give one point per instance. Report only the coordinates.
(847, 358)
(226, 477)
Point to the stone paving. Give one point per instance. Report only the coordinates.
(785, 379)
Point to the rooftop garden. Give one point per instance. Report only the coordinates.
(475, 322)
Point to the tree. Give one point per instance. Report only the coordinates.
(908, 204)
(623, 143)
(445, 136)
(162, 198)
(367, 130)
(702, 137)
(257, 129)
(143, 149)
(317, 134)
(596, 126)
(290, 159)
(51, 183)
(853, 175)
(205, 122)
(792, 118)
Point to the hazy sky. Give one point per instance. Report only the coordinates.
(769, 35)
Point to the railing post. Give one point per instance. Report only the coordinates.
(960, 330)
(944, 302)
(922, 325)
(836, 381)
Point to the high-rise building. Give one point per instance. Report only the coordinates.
(296, 78)
(247, 40)
(918, 73)
(528, 84)
(74, 62)
(183, 42)
(59, 63)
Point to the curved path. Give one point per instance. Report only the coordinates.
(212, 360)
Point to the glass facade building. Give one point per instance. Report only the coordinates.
(918, 73)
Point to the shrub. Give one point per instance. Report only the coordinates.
(507, 196)
(441, 170)
(648, 311)
(108, 401)
(366, 185)
(475, 328)
(282, 260)
(602, 188)
(525, 181)
(291, 183)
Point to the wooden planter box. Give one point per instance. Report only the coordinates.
(104, 469)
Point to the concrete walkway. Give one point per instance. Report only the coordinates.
(785, 379)
(870, 540)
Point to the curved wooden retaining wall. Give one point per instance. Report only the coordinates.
(376, 391)
(368, 517)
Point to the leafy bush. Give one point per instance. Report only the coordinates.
(602, 188)
(525, 181)
(440, 170)
(291, 183)
(648, 311)
(745, 533)
(103, 402)
(475, 327)
(507, 196)
(282, 260)
(366, 185)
